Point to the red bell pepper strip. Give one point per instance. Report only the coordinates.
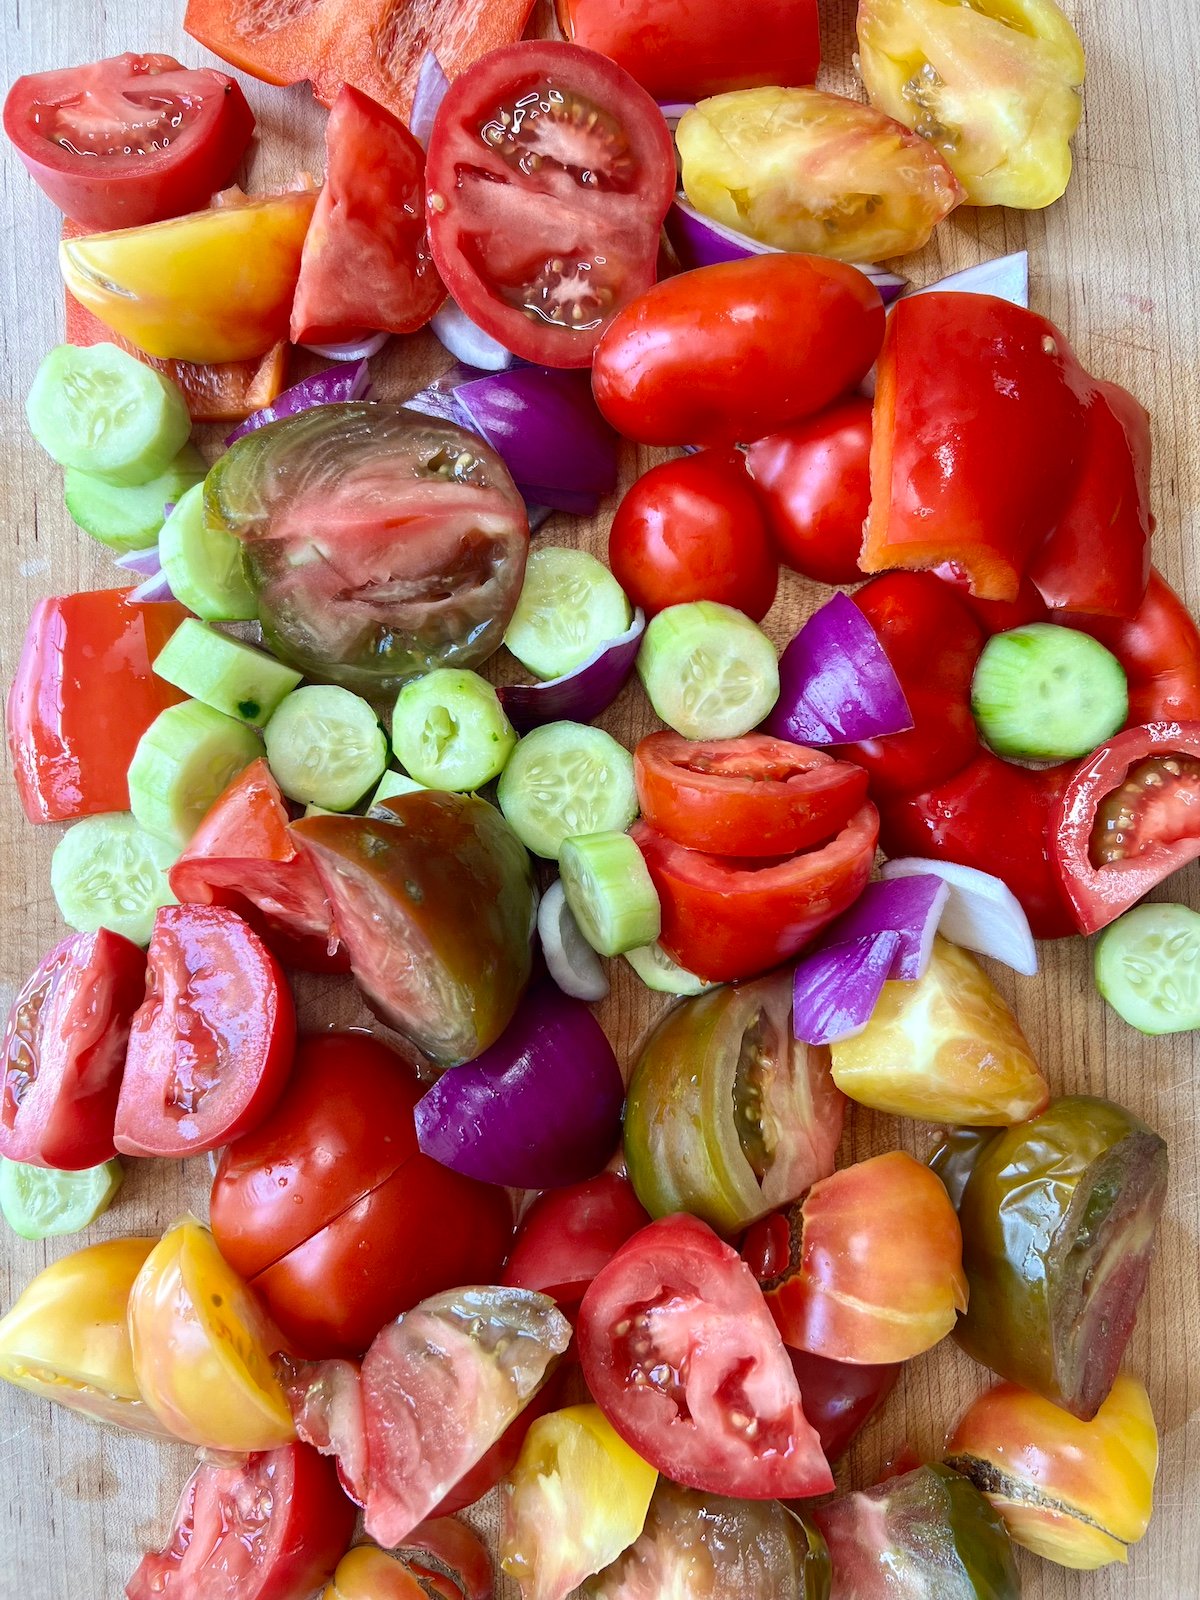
(1159, 647)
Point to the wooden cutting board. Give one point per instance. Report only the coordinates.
(1115, 265)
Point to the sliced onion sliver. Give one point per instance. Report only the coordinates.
(352, 350)
(836, 684)
(909, 907)
(145, 563)
(1007, 277)
(153, 589)
(570, 959)
(980, 913)
(836, 989)
(468, 342)
(432, 84)
(325, 388)
(674, 111)
(581, 695)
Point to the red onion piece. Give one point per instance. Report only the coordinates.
(910, 907)
(836, 684)
(432, 84)
(322, 389)
(152, 589)
(836, 989)
(580, 695)
(436, 399)
(360, 349)
(981, 913)
(675, 110)
(467, 342)
(145, 563)
(538, 1110)
(1007, 277)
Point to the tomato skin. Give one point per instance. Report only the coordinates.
(814, 482)
(841, 1397)
(738, 350)
(366, 262)
(83, 696)
(218, 1550)
(64, 1050)
(684, 51)
(731, 917)
(114, 189)
(568, 1235)
(692, 530)
(1159, 647)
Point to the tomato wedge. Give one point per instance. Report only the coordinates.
(680, 1352)
(550, 172)
(568, 1235)
(753, 796)
(131, 139)
(211, 1047)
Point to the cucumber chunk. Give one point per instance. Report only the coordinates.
(1045, 693)
(566, 779)
(1148, 968)
(106, 413)
(203, 564)
(225, 673)
(570, 604)
(450, 731)
(325, 747)
(392, 783)
(610, 891)
(184, 760)
(130, 517)
(108, 872)
(708, 671)
(657, 971)
(42, 1202)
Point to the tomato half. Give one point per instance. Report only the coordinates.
(841, 1397)
(366, 262)
(83, 696)
(680, 1353)
(64, 1048)
(726, 917)
(691, 529)
(567, 1235)
(732, 352)
(550, 172)
(1128, 818)
(814, 483)
(270, 1528)
(131, 139)
(211, 1047)
(681, 50)
(752, 796)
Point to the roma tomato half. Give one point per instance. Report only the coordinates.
(732, 352)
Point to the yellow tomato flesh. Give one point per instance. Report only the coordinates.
(804, 170)
(214, 286)
(202, 1347)
(369, 1573)
(992, 84)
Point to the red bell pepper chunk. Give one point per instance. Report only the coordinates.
(1159, 647)
(83, 696)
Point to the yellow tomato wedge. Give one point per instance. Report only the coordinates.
(992, 84)
(369, 1573)
(945, 1048)
(577, 1497)
(202, 1347)
(804, 170)
(67, 1337)
(213, 286)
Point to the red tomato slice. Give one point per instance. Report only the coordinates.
(567, 1235)
(244, 855)
(729, 917)
(366, 262)
(64, 1048)
(681, 1353)
(83, 696)
(211, 1048)
(753, 796)
(271, 1528)
(550, 172)
(131, 139)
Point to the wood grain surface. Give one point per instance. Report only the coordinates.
(1115, 265)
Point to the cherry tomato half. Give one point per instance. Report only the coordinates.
(211, 1047)
(567, 1235)
(550, 171)
(692, 529)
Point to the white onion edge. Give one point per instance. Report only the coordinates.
(981, 913)
(466, 341)
(1007, 277)
(571, 961)
(352, 350)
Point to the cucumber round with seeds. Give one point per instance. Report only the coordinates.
(570, 604)
(450, 731)
(130, 516)
(709, 672)
(187, 757)
(565, 779)
(1148, 968)
(1046, 693)
(107, 871)
(325, 747)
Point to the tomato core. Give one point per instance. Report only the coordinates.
(1158, 804)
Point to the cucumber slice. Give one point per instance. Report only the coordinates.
(610, 891)
(1045, 693)
(108, 872)
(130, 517)
(325, 747)
(203, 564)
(709, 672)
(106, 413)
(570, 605)
(184, 760)
(391, 784)
(450, 731)
(42, 1203)
(657, 971)
(1148, 968)
(225, 673)
(566, 779)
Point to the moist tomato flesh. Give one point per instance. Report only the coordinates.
(1158, 803)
